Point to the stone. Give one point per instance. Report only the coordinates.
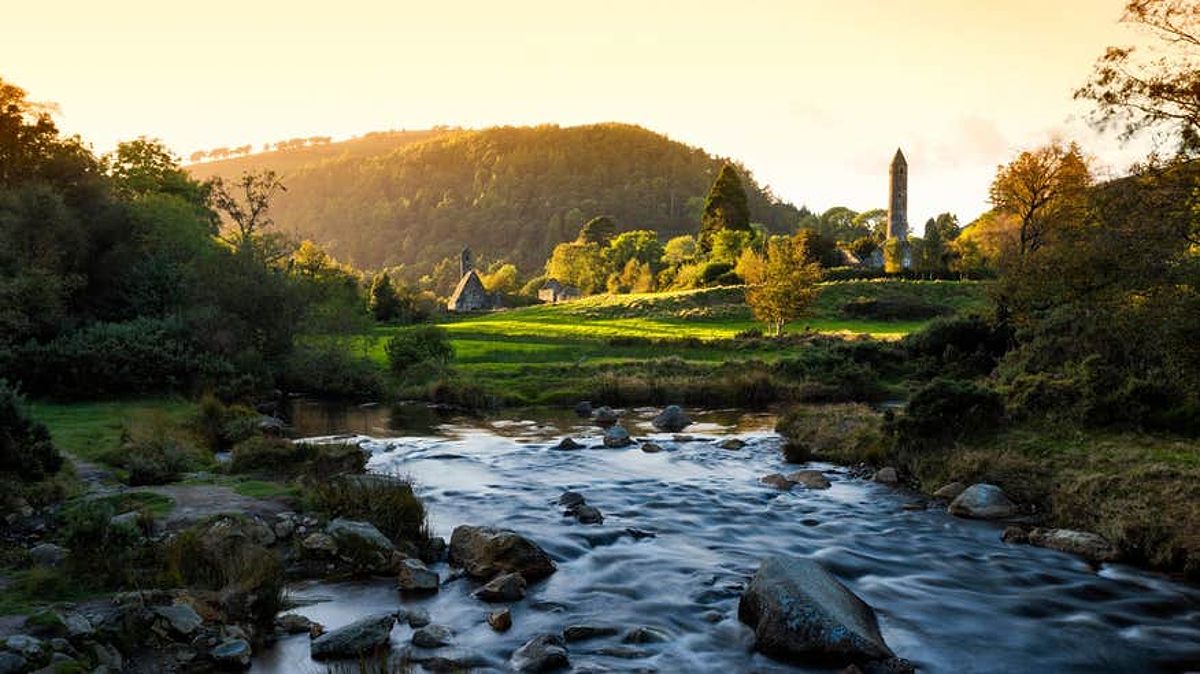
(584, 408)
(501, 620)
(361, 637)
(777, 481)
(571, 499)
(810, 479)
(417, 618)
(445, 660)
(617, 437)
(645, 635)
(585, 632)
(672, 419)
(587, 514)
(1083, 543)
(651, 448)
(507, 587)
(284, 528)
(294, 623)
(47, 554)
(732, 444)
(414, 577)
(486, 552)
(433, 636)
(30, 648)
(683, 438)
(801, 613)
(567, 444)
(181, 618)
(542, 653)
(982, 501)
(1015, 535)
(11, 663)
(605, 416)
(320, 544)
(950, 491)
(352, 533)
(231, 654)
(886, 475)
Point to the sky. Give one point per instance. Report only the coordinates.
(814, 96)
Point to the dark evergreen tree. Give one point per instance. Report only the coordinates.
(724, 208)
(382, 301)
(599, 230)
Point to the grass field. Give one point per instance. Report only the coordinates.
(88, 429)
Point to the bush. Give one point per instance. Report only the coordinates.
(25, 447)
(946, 410)
(416, 345)
(99, 548)
(388, 502)
(222, 555)
(846, 434)
(898, 308)
(281, 457)
(154, 451)
(960, 346)
(718, 274)
(223, 426)
(330, 370)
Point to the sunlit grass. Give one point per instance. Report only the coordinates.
(89, 429)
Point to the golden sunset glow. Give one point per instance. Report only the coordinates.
(823, 92)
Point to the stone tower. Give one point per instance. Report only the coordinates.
(466, 262)
(897, 222)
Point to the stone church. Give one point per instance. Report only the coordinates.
(469, 294)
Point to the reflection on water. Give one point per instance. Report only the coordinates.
(951, 596)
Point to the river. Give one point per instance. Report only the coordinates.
(951, 597)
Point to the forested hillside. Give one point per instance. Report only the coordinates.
(508, 192)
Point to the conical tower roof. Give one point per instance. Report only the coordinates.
(899, 159)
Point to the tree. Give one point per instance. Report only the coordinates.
(724, 208)
(582, 265)
(1162, 91)
(598, 230)
(382, 301)
(818, 248)
(1042, 188)
(680, 250)
(247, 203)
(501, 277)
(641, 245)
(872, 223)
(782, 285)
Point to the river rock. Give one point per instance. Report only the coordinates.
(542, 653)
(571, 500)
(950, 491)
(584, 408)
(507, 587)
(587, 514)
(433, 636)
(810, 479)
(361, 637)
(732, 444)
(672, 419)
(319, 544)
(1085, 544)
(47, 554)
(486, 552)
(886, 475)
(984, 502)
(605, 416)
(182, 619)
(645, 635)
(294, 623)
(651, 448)
(11, 663)
(777, 481)
(800, 613)
(567, 444)
(231, 654)
(415, 577)
(616, 437)
(359, 535)
(585, 632)
(501, 620)
(417, 617)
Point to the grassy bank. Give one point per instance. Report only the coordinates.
(1140, 491)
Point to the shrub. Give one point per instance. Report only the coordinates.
(154, 451)
(845, 434)
(462, 393)
(331, 370)
(898, 308)
(99, 548)
(25, 447)
(945, 410)
(273, 455)
(960, 346)
(419, 344)
(222, 425)
(223, 555)
(718, 274)
(388, 502)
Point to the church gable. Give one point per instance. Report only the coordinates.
(470, 295)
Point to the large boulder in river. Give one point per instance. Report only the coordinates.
(983, 502)
(801, 613)
(1083, 543)
(543, 653)
(362, 637)
(617, 437)
(485, 552)
(672, 419)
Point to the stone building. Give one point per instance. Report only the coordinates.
(554, 292)
(897, 220)
(469, 294)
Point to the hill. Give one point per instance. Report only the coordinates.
(508, 192)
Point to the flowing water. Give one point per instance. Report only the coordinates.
(951, 597)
